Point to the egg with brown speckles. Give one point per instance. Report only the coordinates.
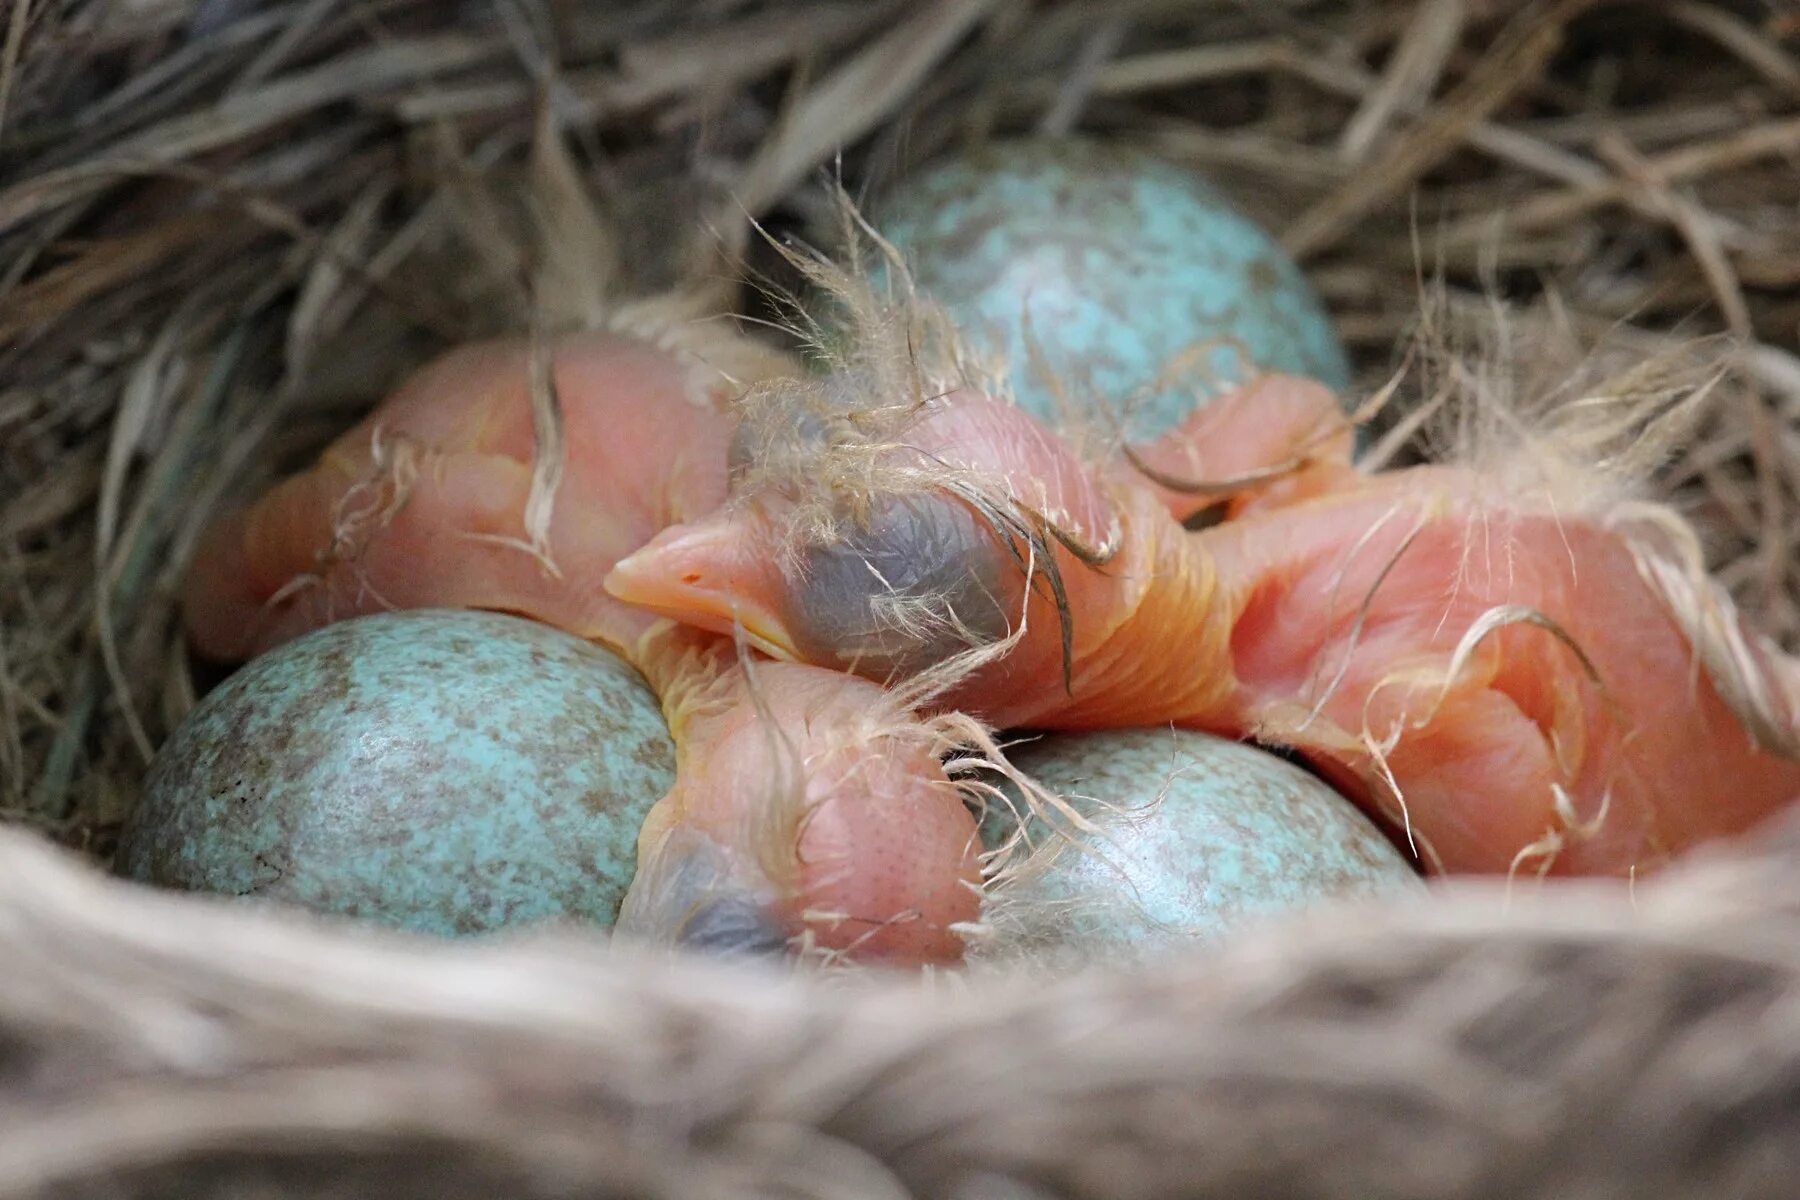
(1196, 835)
(1115, 264)
(445, 772)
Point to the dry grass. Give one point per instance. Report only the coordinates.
(226, 227)
(1583, 1043)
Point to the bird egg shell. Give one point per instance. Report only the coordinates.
(1197, 834)
(1115, 265)
(444, 772)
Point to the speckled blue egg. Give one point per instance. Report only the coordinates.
(1119, 262)
(1198, 835)
(451, 773)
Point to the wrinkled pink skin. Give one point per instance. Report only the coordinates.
(441, 474)
(1324, 614)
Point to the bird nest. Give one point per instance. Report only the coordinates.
(227, 227)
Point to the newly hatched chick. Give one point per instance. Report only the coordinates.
(808, 803)
(1514, 681)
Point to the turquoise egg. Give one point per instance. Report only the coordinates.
(1197, 836)
(1118, 262)
(445, 772)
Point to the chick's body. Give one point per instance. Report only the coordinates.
(1503, 677)
(424, 501)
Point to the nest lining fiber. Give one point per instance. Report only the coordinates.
(227, 227)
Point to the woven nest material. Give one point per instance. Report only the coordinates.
(228, 226)
(1585, 1044)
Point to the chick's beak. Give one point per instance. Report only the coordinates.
(719, 574)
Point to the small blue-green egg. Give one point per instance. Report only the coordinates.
(444, 772)
(1113, 263)
(1196, 836)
